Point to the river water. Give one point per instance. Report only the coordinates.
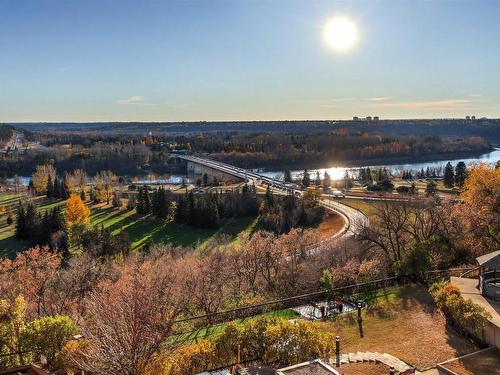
(337, 173)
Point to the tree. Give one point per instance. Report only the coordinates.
(117, 202)
(205, 179)
(460, 173)
(306, 179)
(449, 176)
(482, 188)
(47, 335)
(104, 181)
(287, 176)
(76, 211)
(129, 319)
(41, 177)
(347, 181)
(431, 188)
(317, 181)
(327, 181)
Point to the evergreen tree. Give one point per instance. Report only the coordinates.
(369, 177)
(327, 181)
(269, 196)
(31, 187)
(21, 222)
(306, 179)
(347, 182)
(317, 181)
(287, 176)
(460, 173)
(205, 179)
(449, 176)
(50, 187)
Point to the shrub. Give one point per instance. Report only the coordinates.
(467, 315)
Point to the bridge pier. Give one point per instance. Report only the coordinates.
(196, 171)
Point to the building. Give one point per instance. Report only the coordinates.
(484, 290)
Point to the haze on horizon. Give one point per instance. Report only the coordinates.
(124, 60)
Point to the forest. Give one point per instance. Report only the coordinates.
(129, 154)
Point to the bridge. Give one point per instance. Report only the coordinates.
(354, 219)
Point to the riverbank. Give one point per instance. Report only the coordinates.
(358, 163)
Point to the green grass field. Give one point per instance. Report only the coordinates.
(140, 229)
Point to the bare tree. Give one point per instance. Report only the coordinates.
(128, 320)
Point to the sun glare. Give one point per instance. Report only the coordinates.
(340, 34)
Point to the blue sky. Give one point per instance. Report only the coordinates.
(122, 60)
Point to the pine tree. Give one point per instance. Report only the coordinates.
(449, 177)
(306, 179)
(460, 173)
(146, 200)
(317, 181)
(50, 187)
(287, 176)
(21, 222)
(327, 181)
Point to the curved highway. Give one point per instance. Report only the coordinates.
(354, 219)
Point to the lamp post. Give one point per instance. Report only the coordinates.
(337, 351)
(360, 319)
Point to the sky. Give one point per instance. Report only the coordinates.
(210, 60)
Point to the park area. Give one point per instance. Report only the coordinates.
(144, 229)
(141, 229)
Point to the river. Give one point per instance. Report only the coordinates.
(337, 173)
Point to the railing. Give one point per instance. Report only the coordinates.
(488, 281)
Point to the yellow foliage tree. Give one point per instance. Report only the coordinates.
(76, 211)
(482, 188)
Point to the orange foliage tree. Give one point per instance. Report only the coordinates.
(76, 211)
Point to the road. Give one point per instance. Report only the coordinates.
(354, 220)
(14, 142)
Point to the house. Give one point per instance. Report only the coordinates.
(484, 290)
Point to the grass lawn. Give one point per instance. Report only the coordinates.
(405, 324)
(140, 229)
(369, 208)
(9, 245)
(144, 229)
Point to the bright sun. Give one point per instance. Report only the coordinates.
(340, 33)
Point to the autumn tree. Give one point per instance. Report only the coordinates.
(41, 177)
(481, 210)
(129, 319)
(76, 211)
(104, 181)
